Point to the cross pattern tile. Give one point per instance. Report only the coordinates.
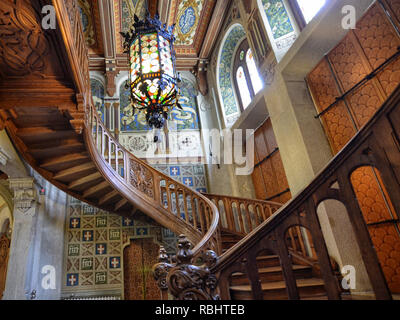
(95, 239)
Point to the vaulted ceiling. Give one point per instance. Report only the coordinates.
(197, 25)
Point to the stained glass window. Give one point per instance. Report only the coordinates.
(243, 87)
(255, 77)
(247, 80)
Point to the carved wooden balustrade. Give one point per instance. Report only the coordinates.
(240, 215)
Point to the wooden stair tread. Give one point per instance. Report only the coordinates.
(275, 269)
(276, 285)
(75, 172)
(267, 257)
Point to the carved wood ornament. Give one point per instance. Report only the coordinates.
(184, 280)
(141, 178)
(23, 43)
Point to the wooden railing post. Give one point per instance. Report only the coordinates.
(252, 273)
(286, 264)
(331, 283)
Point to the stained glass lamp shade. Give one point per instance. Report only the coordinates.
(152, 75)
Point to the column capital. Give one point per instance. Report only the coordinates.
(24, 194)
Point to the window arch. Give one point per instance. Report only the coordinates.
(247, 81)
(230, 107)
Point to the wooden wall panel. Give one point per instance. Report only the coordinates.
(337, 122)
(258, 180)
(379, 214)
(361, 52)
(269, 175)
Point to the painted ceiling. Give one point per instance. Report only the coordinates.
(191, 17)
(91, 25)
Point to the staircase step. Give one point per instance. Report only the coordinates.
(75, 173)
(307, 288)
(65, 162)
(268, 261)
(226, 244)
(50, 149)
(272, 274)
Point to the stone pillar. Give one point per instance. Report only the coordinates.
(24, 213)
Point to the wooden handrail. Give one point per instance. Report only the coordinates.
(376, 145)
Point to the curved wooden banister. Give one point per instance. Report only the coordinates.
(170, 203)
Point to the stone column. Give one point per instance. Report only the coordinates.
(24, 213)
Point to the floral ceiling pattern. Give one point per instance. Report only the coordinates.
(189, 12)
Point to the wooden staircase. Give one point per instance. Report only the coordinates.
(47, 109)
(270, 273)
(46, 106)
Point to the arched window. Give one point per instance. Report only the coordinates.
(225, 77)
(247, 81)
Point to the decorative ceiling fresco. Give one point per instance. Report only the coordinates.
(89, 11)
(189, 12)
(196, 23)
(124, 13)
(192, 18)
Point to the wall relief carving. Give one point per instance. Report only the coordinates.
(23, 44)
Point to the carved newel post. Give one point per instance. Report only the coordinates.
(184, 280)
(160, 272)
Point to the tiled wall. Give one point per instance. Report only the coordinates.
(94, 244)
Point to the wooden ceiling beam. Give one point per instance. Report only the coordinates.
(217, 20)
(106, 12)
(153, 7)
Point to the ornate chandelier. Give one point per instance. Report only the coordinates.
(153, 82)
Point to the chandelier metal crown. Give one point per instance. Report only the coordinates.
(153, 81)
